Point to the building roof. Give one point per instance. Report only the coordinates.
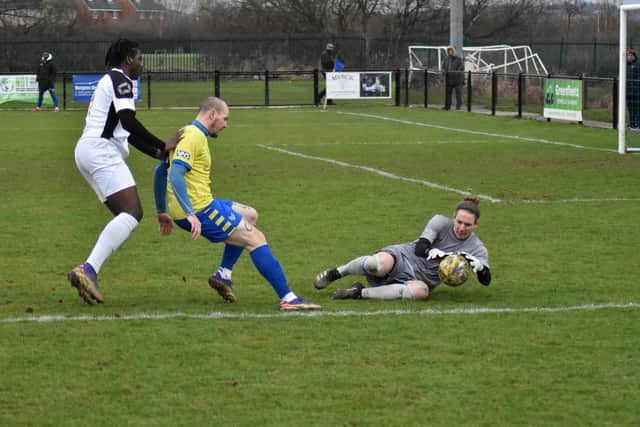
(147, 6)
(102, 5)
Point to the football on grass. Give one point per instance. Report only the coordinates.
(454, 270)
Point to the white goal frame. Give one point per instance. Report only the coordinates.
(628, 5)
(521, 57)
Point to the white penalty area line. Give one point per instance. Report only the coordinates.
(474, 132)
(379, 172)
(440, 186)
(346, 313)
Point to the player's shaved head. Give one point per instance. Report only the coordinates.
(212, 102)
(213, 114)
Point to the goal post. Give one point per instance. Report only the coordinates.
(626, 7)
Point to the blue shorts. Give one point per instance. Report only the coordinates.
(218, 220)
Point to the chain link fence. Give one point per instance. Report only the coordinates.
(245, 52)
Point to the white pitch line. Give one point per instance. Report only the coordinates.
(444, 187)
(394, 143)
(379, 172)
(346, 313)
(578, 200)
(474, 132)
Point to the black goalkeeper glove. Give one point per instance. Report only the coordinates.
(422, 247)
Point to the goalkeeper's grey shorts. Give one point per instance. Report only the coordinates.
(402, 270)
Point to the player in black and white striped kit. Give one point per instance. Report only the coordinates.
(410, 270)
(100, 155)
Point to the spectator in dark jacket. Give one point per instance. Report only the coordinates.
(327, 64)
(633, 89)
(46, 78)
(453, 67)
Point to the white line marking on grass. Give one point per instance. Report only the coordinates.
(578, 200)
(474, 132)
(379, 172)
(344, 313)
(443, 187)
(394, 143)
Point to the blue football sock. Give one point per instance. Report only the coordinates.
(270, 269)
(230, 256)
(54, 98)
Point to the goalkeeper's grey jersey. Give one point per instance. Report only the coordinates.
(440, 233)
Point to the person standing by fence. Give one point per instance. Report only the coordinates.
(453, 66)
(633, 89)
(46, 78)
(327, 64)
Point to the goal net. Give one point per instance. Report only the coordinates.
(501, 58)
(628, 87)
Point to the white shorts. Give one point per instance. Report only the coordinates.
(102, 165)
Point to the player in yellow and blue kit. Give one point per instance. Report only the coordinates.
(193, 208)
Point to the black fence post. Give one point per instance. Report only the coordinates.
(544, 101)
(266, 87)
(426, 89)
(615, 103)
(520, 90)
(316, 87)
(469, 91)
(398, 96)
(216, 83)
(585, 92)
(64, 91)
(149, 91)
(494, 92)
(406, 87)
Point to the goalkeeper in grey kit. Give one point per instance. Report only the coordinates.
(410, 270)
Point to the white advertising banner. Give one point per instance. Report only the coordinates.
(357, 85)
(22, 88)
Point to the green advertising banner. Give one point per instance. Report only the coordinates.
(19, 88)
(563, 99)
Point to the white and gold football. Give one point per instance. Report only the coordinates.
(454, 270)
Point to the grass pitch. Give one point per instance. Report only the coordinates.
(553, 341)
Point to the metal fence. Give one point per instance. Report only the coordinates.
(246, 52)
(494, 93)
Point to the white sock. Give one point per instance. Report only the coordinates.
(225, 273)
(290, 297)
(112, 236)
(387, 292)
(355, 266)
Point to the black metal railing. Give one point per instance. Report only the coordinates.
(489, 93)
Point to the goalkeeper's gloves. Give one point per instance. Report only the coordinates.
(422, 247)
(437, 253)
(474, 262)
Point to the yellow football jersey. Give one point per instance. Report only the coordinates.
(193, 152)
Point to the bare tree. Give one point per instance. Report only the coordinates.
(572, 9)
(290, 15)
(43, 16)
(503, 19)
(474, 11)
(407, 16)
(343, 12)
(366, 9)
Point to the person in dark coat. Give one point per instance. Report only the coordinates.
(453, 66)
(46, 78)
(327, 64)
(633, 89)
